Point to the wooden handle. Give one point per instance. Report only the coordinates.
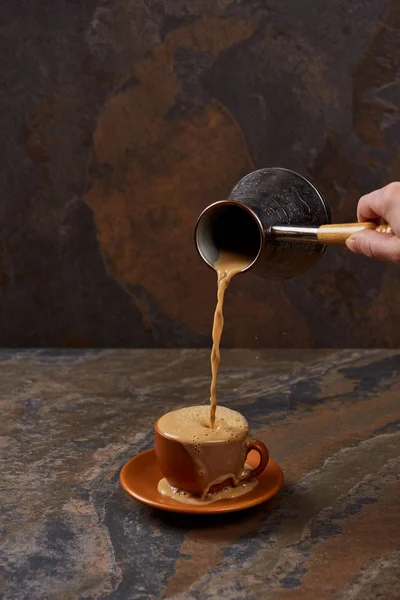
(338, 234)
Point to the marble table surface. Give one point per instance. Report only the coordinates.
(70, 420)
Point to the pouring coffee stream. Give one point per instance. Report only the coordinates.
(227, 266)
(276, 223)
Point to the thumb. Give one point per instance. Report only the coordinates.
(380, 246)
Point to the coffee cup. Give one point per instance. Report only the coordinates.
(198, 459)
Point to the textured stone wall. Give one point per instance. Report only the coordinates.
(124, 118)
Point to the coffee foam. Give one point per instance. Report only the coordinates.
(191, 425)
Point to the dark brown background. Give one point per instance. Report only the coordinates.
(122, 119)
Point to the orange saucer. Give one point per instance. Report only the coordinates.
(139, 478)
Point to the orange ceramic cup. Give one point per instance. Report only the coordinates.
(179, 469)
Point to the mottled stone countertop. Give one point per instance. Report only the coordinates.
(70, 419)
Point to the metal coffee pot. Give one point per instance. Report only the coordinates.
(278, 219)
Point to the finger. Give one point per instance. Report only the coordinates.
(369, 207)
(383, 203)
(380, 246)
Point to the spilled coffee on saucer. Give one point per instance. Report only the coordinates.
(215, 437)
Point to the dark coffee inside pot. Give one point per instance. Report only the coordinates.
(229, 227)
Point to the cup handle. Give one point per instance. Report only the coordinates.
(264, 458)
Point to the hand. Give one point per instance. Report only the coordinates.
(378, 205)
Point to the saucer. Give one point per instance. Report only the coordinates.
(139, 478)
